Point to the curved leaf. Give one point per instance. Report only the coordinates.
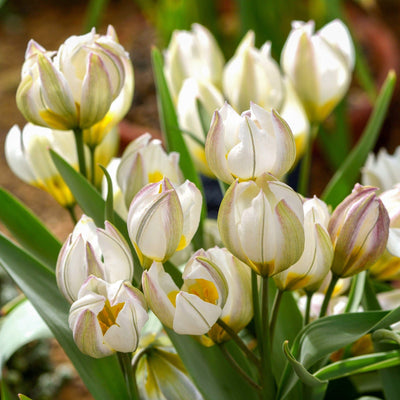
(21, 326)
(316, 340)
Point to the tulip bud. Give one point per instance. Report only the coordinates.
(249, 145)
(27, 154)
(107, 317)
(382, 170)
(216, 285)
(319, 65)
(94, 135)
(92, 251)
(163, 220)
(195, 121)
(145, 161)
(193, 54)
(76, 88)
(314, 264)
(359, 229)
(261, 223)
(252, 75)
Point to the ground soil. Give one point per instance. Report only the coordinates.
(50, 23)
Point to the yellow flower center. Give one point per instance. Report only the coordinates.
(155, 176)
(107, 317)
(206, 290)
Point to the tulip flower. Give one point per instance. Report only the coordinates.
(249, 145)
(94, 135)
(359, 229)
(92, 251)
(261, 223)
(315, 262)
(216, 285)
(163, 219)
(158, 368)
(382, 170)
(193, 54)
(27, 154)
(75, 88)
(195, 119)
(252, 75)
(107, 317)
(319, 65)
(145, 161)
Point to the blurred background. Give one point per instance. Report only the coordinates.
(40, 370)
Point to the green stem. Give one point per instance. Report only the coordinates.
(235, 337)
(257, 312)
(125, 363)
(328, 295)
(92, 164)
(80, 150)
(305, 166)
(267, 378)
(275, 312)
(308, 308)
(71, 212)
(237, 367)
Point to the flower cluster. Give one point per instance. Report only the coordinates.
(245, 123)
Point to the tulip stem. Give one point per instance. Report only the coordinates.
(308, 308)
(80, 150)
(235, 337)
(92, 164)
(267, 378)
(305, 166)
(328, 295)
(125, 360)
(256, 308)
(275, 312)
(237, 367)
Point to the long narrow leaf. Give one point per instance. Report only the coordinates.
(102, 377)
(346, 176)
(361, 364)
(212, 373)
(28, 230)
(316, 340)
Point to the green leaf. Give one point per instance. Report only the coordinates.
(356, 291)
(23, 397)
(93, 13)
(316, 340)
(92, 204)
(358, 365)
(28, 230)
(5, 392)
(102, 377)
(300, 370)
(212, 373)
(109, 212)
(21, 326)
(346, 176)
